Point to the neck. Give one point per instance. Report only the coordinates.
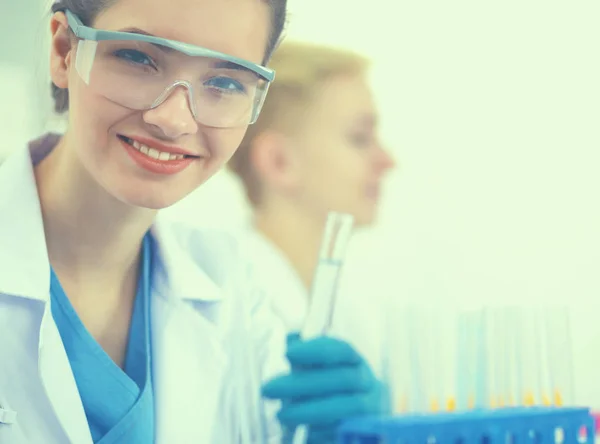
(89, 233)
(297, 234)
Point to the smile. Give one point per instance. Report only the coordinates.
(152, 152)
(154, 160)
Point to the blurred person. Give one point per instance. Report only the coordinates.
(117, 326)
(314, 149)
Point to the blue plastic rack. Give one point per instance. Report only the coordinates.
(531, 425)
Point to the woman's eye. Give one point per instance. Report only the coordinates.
(360, 140)
(226, 84)
(134, 56)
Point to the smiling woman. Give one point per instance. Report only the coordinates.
(181, 69)
(120, 327)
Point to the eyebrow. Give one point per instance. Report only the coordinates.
(134, 30)
(224, 64)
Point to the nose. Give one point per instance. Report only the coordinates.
(173, 116)
(384, 160)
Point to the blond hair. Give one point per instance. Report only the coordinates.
(300, 69)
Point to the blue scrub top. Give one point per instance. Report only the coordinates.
(118, 403)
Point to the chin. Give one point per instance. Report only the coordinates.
(366, 218)
(363, 222)
(148, 202)
(148, 198)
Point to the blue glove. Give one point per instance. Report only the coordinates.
(329, 383)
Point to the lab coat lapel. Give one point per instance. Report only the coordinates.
(191, 364)
(23, 258)
(26, 274)
(59, 383)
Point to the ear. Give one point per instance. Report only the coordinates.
(274, 160)
(61, 50)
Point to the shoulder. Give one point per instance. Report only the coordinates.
(223, 257)
(226, 257)
(217, 252)
(220, 243)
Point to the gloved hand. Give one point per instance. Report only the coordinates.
(329, 382)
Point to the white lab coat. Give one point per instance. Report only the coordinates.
(195, 316)
(358, 316)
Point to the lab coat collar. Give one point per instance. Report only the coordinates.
(177, 266)
(24, 266)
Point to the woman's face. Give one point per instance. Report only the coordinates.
(98, 126)
(341, 160)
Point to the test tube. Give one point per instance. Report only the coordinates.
(468, 373)
(513, 341)
(397, 374)
(464, 378)
(501, 358)
(416, 344)
(492, 390)
(447, 318)
(560, 358)
(323, 292)
(544, 355)
(429, 364)
(499, 399)
(530, 359)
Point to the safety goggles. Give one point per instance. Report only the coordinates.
(140, 72)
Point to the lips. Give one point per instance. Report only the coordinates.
(156, 158)
(156, 151)
(373, 192)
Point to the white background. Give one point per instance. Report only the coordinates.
(491, 109)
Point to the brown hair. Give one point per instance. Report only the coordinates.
(300, 69)
(88, 10)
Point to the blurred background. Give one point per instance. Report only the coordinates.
(490, 108)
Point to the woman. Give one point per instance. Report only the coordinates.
(119, 328)
(314, 149)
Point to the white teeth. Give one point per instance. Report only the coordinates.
(153, 153)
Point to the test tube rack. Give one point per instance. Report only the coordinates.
(523, 425)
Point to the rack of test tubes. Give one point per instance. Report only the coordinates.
(452, 360)
(531, 425)
(495, 375)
